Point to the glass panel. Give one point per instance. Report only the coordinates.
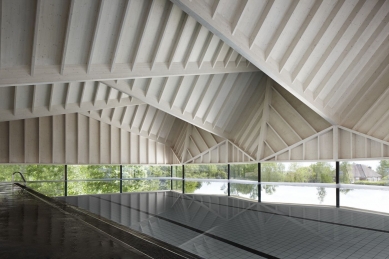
(206, 171)
(249, 191)
(82, 172)
(244, 172)
(298, 194)
(206, 187)
(374, 172)
(6, 172)
(44, 172)
(375, 200)
(307, 172)
(177, 185)
(93, 187)
(177, 171)
(145, 171)
(51, 189)
(32, 172)
(145, 185)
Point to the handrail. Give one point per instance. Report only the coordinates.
(24, 179)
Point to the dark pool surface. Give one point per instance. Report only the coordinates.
(32, 228)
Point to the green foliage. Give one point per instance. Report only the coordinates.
(177, 185)
(320, 172)
(37, 173)
(6, 172)
(244, 172)
(203, 172)
(145, 171)
(272, 172)
(345, 174)
(81, 172)
(269, 189)
(383, 168)
(51, 189)
(177, 171)
(379, 183)
(190, 187)
(244, 189)
(89, 172)
(145, 185)
(206, 171)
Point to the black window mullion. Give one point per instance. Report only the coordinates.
(66, 180)
(229, 177)
(183, 179)
(259, 182)
(337, 182)
(121, 178)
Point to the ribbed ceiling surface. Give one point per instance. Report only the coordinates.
(263, 75)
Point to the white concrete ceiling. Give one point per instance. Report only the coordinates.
(263, 74)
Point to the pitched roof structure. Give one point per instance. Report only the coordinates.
(363, 172)
(208, 81)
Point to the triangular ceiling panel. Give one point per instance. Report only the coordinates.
(329, 54)
(334, 143)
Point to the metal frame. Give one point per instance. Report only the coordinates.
(337, 184)
(121, 178)
(66, 180)
(229, 177)
(183, 179)
(259, 183)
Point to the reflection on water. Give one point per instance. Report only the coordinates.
(375, 200)
(299, 195)
(249, 191)
(205, 187)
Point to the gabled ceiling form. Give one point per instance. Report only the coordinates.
(53, 41)
(30, 101)
(192, 141)
(333, 143)
(146, 74)
(323, 52)
(210, 102)
(274, 120)
(223, 152)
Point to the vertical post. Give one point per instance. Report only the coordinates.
(229, 177)
(121, 178)
(183, 177)
(337, 182)
(171, 177)
(259, 182)
(66, 180)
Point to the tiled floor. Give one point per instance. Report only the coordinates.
(223, 227)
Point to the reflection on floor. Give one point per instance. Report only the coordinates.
(225, 227)
(35, 226)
